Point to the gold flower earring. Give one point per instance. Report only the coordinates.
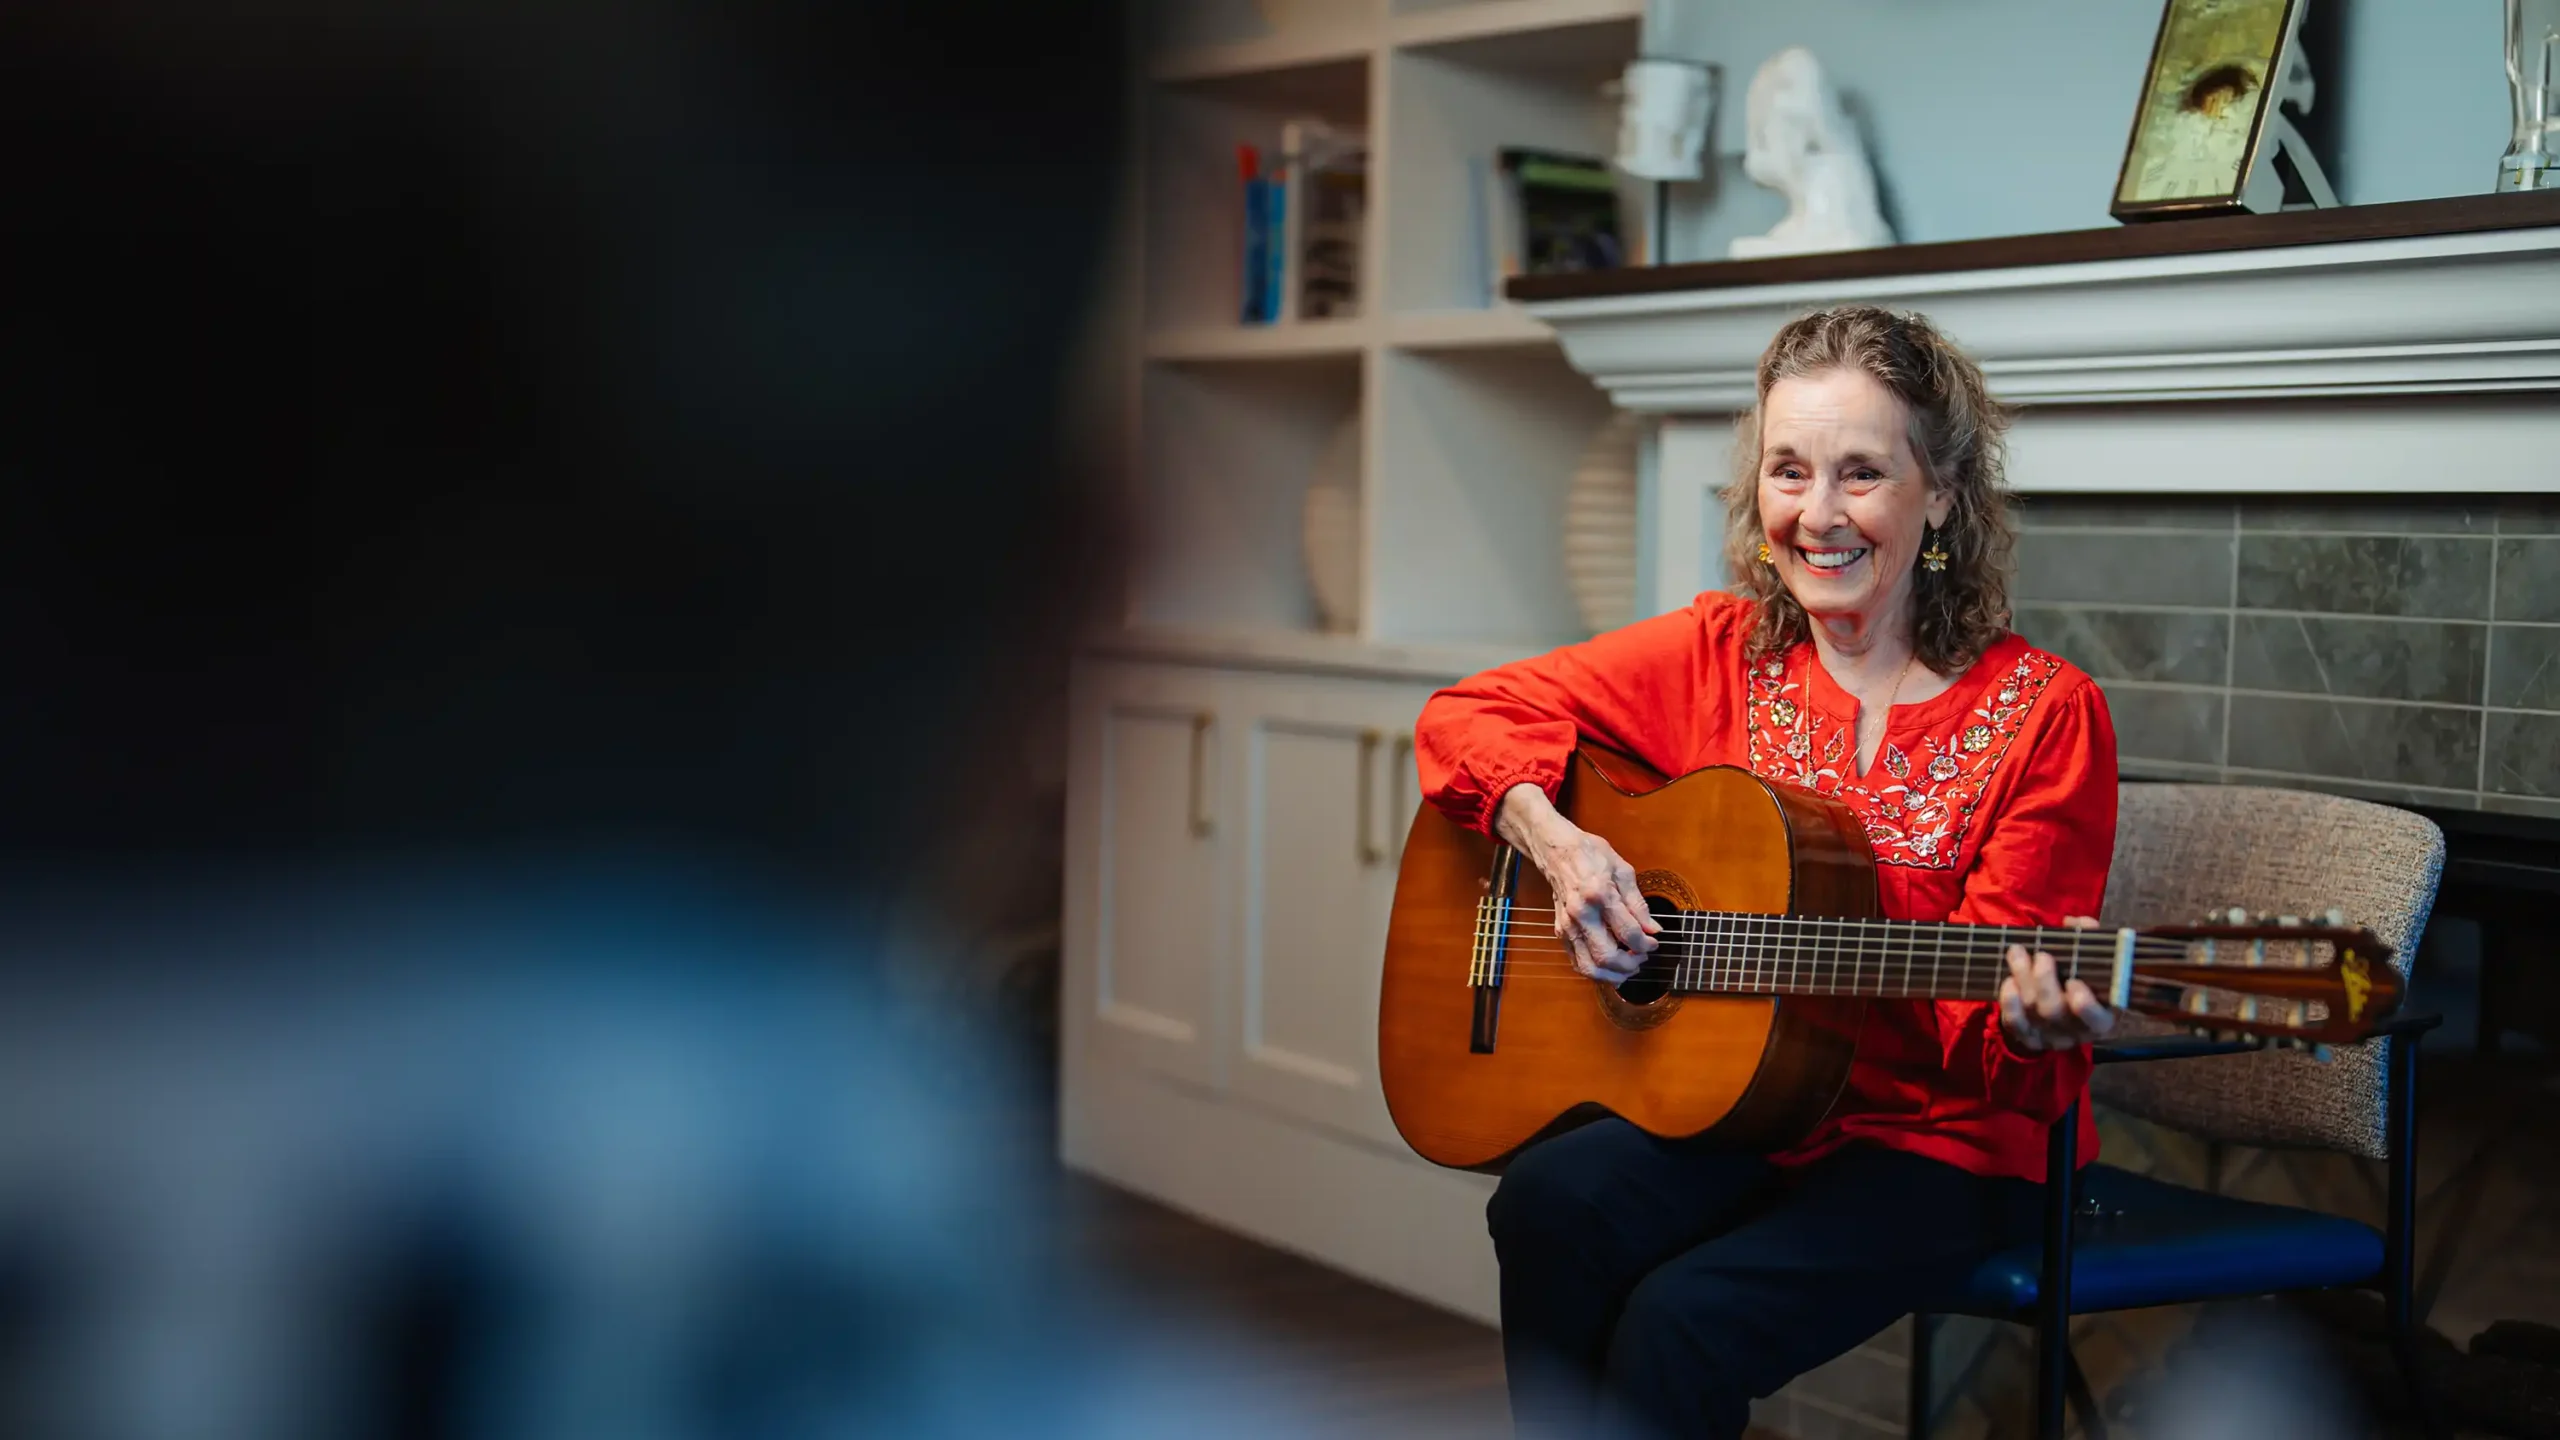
(1765, 557)
(1935, 557)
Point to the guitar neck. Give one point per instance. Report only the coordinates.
(1736, 953)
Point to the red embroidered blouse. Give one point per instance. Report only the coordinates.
(1993, 803)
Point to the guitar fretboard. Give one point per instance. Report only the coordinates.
(1736, 953)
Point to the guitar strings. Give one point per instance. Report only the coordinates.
(1701, 919)
(2275, 934)
(1873, 943)
(1533, 950)
(1734, 923)
(1533, 953)
(1748, 952)
(1978, 985)
(1888, 946)
(1883, 942)
(1748, 976)
(1555, 959)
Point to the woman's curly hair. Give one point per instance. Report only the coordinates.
(1956, 430)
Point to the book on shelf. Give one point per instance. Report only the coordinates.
(1305, 222)
(1265, 219)
(1541, 212)
(1326, 174)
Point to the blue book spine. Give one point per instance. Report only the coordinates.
(1275, 249)
(1256, 237)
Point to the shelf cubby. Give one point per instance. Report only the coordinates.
(1476, 451)
(1463, 423)
(1228, 452)
(1454, 102)
(1194, 204)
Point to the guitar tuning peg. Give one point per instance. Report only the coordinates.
(2236, 916)
(2335, 917)
(2289, 921)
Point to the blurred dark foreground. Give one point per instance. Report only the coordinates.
(532, 539)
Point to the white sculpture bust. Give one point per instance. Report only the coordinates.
(1803, 146)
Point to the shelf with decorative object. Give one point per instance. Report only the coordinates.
(1451, 107)
(1236, 533)
(1194, 135)
(1228, 454)
(1483, 445)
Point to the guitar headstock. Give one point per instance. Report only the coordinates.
(2290, 981)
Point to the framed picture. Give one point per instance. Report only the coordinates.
(2208, 120)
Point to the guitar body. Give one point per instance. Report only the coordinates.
(1756, 1073)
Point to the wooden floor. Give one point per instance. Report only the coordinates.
(1347, 1358)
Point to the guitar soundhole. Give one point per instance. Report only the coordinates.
(1654, 981)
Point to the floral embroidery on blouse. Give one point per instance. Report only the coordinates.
(1918, 816)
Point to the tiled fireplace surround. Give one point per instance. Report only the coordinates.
(2405, 650)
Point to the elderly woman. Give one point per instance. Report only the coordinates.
(1657, 1286)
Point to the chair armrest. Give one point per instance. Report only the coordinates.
(2189, 1047)
(2165, 1047)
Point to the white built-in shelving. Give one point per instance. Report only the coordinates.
(1463, 419)
(1241, 774)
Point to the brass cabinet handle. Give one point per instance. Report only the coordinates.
(1370, 851)
(1402, 759)
(1202, 824)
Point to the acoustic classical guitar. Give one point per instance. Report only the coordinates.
(1741, 1025)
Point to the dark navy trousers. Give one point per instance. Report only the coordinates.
(1656, 1288)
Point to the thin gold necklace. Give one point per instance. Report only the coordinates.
(1884, 725)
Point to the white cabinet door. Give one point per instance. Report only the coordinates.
(1148, 883)
(1231, 856)
(1319, 825)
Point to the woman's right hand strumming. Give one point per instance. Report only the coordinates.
(1600, 915)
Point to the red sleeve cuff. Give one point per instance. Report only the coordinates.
(1546, 777)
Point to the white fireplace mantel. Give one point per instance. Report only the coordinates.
(2465, 314)
(2390, 363)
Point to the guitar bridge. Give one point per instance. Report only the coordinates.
(1492, 950)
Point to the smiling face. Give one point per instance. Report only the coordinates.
(1844, 500)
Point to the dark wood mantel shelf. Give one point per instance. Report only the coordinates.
(2455, 216)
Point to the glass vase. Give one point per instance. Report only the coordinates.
(2533, 79)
